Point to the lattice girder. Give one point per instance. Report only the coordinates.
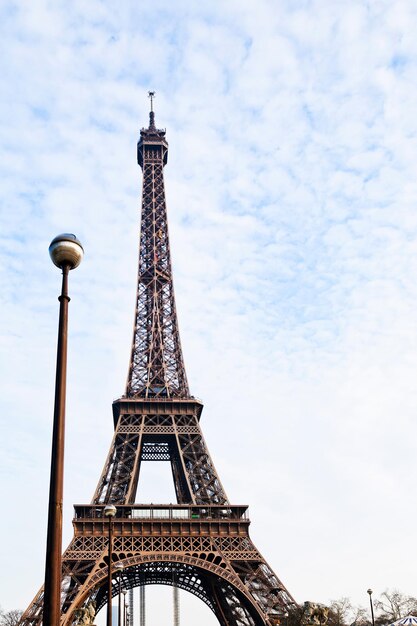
(150, 423)
(213, 542)
(156, 365)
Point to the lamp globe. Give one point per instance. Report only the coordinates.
(66, 249)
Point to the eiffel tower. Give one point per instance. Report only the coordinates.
(201, 544)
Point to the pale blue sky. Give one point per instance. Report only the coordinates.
(292, 197)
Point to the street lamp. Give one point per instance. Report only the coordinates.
(124, 592)
(66, 253)
(119, 568)
(372, 606)
(110, 512)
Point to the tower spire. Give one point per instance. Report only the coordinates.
(156, 366)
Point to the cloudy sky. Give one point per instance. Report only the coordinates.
(292, 194)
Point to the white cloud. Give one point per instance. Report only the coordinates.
(291, 194)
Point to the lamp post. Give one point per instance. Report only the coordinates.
(124, 592)
(66, 253)
(119, 568)
(110, 512)
(372, 606)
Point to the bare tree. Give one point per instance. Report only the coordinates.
(340, 612)
(10, 618)
(394, 605)
(360, 616)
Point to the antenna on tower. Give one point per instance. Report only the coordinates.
(151, 96)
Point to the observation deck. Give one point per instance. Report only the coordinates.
(163, 519)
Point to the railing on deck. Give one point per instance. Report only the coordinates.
(164, 512)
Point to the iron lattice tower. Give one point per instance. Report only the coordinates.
(201, 544)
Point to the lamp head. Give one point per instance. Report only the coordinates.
(110, 510)
(370, 591)
(65, 249)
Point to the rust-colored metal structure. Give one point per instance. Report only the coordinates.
(202, 543)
